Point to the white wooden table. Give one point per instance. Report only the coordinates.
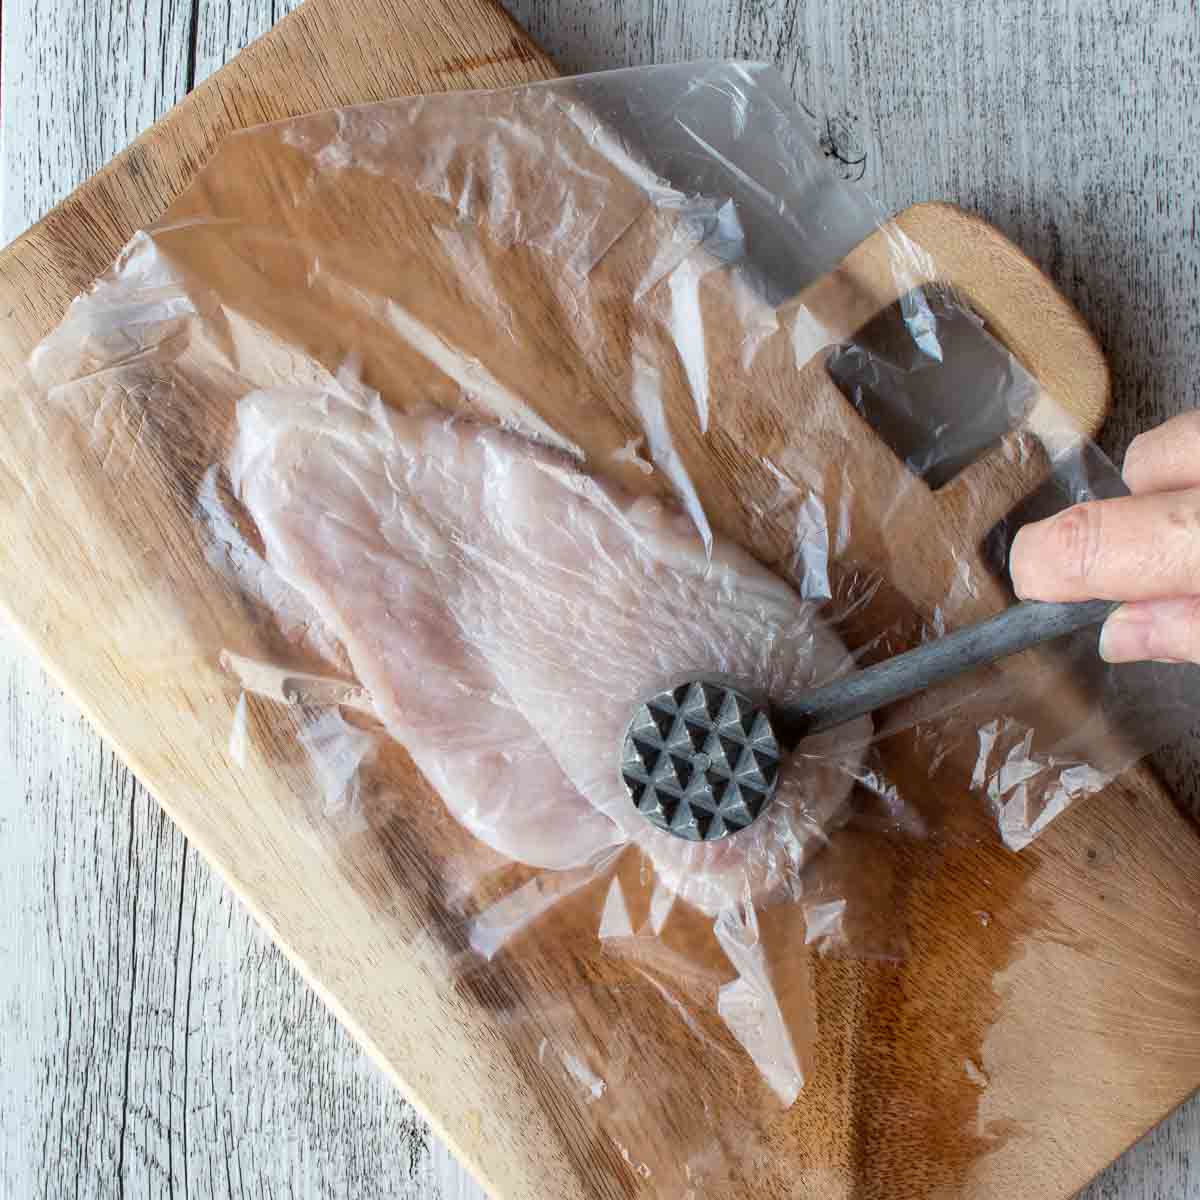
(152, 1040)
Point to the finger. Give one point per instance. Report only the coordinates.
(1163, 630)
(1134, 548)
(1166, 459)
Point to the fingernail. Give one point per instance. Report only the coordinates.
(1023, 561)
(1018, 555)
(1125, 636)
(1129, 460)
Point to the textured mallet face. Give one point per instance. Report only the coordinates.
(700, 761)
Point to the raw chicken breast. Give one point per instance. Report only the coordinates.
(507, 611)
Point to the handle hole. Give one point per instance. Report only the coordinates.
(935, 386)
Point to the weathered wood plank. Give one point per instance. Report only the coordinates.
(85, 850)
(79, 81)
(225, 27)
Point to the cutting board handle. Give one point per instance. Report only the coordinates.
(1036, 323)
(1022, 308)
(942, 244)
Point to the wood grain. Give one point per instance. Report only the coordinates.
(224, 28)
(664, 27)
(80, 81)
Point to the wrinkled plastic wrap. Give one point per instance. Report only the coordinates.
(498, 412)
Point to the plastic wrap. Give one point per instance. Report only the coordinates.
(499, 411)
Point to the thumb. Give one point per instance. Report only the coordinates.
(1163, 630)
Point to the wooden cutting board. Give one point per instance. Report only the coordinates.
(1047, 1015)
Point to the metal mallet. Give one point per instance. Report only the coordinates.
(700, 759)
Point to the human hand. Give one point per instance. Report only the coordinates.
(1143, 549)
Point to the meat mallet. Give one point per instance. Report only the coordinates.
(701, 759)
